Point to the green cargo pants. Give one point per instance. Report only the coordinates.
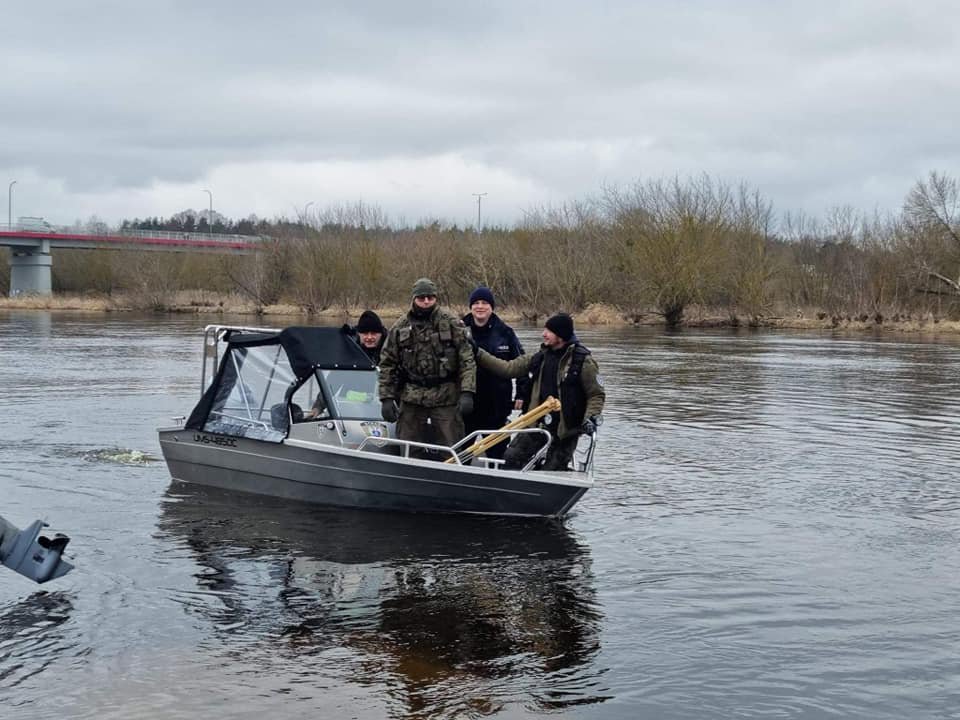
(437, 425)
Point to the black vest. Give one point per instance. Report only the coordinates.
(573, 399)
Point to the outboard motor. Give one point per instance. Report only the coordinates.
(31, 554)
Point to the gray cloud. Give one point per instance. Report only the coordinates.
(815, 104)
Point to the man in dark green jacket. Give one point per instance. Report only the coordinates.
(563, 368)
(427, 366)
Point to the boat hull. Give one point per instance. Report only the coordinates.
(331, 475)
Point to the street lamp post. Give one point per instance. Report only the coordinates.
(10, 204)
(210, 216)
(478, 196)
(305, 209)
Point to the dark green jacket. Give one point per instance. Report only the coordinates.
(427, 361)
(590, 382)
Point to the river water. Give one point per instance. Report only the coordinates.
(773, 533)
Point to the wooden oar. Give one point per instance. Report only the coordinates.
(551, 404)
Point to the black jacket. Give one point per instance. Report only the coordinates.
(494, 399)
(374, 353)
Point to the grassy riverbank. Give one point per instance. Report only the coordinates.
(208, 306)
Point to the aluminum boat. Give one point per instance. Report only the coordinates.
(294, 413)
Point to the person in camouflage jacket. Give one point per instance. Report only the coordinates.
(427, 372)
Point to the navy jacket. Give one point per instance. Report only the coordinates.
(494, 399)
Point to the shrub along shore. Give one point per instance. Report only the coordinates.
(677, 252)
(211, 308)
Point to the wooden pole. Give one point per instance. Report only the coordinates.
(551, 404)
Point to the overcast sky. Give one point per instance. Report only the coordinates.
(130, 109)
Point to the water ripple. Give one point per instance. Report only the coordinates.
(773, 533)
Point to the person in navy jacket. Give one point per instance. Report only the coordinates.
(495, 397)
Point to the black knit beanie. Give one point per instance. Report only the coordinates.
(561, 325)
(370, 322)
(482, 293)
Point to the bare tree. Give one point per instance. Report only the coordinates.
(154, 278)
(438, 253)
(320, 272)
(932, 213)
(750, 266)
(569, 241)
(676, 233)
(525, 279)
(260, 276)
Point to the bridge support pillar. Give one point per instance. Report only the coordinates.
(30, 273)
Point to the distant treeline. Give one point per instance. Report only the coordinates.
(193, 222)
(660, 246)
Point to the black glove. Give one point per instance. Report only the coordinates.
(466, 403)
(589, 426)
(389, 410)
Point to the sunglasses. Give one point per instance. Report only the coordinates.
(426, 297)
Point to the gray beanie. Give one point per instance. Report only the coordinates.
(424, 286)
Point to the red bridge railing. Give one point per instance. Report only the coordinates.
(66, 236)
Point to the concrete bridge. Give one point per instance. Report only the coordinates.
(30, 258)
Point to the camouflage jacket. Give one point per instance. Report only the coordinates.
(427, 361)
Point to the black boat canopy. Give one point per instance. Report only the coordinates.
(307, 349)
(323, 348)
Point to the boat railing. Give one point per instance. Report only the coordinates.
(582, 459)
(406, 445)
(464, 445)
(457, 452)
(212, 337)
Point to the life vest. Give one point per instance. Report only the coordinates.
(573, 399)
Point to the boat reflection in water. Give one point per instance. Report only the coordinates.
(436, 615)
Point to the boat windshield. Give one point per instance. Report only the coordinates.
(348, 394)
(354, 393)
(250, 399)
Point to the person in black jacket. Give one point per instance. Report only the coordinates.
(370, 334)
(495, 397)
